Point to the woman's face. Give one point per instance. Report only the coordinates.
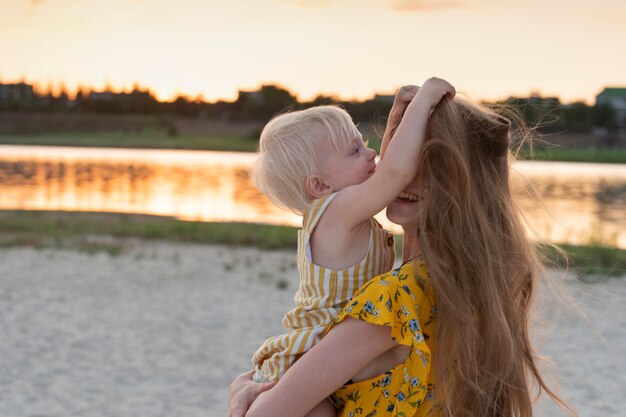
(405, 209)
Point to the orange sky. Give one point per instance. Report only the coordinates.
(350, 48)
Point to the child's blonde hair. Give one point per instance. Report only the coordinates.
(289, 152)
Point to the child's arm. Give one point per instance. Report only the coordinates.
(323, 369)
(355, 204)
(402, 99)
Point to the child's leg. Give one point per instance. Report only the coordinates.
(323, 409)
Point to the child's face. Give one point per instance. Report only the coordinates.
(353, 164)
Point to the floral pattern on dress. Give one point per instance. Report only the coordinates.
(398, 300)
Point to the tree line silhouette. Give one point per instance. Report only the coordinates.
(548, 113)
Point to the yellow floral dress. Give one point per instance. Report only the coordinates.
(403, 300)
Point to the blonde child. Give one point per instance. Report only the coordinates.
(314, 162)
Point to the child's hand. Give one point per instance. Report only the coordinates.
(433, 90)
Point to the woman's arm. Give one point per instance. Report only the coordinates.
(344, 351)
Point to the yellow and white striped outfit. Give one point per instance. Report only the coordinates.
(321, 296)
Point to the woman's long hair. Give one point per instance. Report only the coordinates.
(483, 268)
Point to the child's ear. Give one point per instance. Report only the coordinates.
(317, 187)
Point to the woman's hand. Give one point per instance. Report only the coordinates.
(243, 392)
(402, 99)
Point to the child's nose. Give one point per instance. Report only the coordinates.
(372, 153)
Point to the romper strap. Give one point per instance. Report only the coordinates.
(317, 209)
(376, 223)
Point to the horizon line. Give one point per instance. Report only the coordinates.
(60, 87)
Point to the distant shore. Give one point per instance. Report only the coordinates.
(76, 230)
(165, 132)
(159, 140)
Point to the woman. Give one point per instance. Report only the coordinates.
(446, 334)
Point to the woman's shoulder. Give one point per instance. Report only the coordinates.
(411, 275)
(398, 300)
(407, 284)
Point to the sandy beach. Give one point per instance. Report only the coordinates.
(163, 328)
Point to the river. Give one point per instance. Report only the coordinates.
(565, 202)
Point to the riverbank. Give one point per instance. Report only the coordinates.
(572, 154)
(142, 140)
(162, 328)
(151, 140)
(570, 148)
(80, 231)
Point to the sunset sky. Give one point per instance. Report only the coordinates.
(350, 48)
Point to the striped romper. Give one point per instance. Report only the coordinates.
(321, 296)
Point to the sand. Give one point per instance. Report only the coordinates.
(162, 329)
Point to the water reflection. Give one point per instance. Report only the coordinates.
(208, 186)
(579, 202)
(574, 202)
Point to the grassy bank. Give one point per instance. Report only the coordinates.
(44, 228)
(147, 139)
(176, 132)
(616, 156)
(76, 230)
(161, 140)
(593, 259)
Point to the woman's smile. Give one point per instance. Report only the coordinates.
(407, 197)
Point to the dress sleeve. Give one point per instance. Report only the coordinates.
(395, 300)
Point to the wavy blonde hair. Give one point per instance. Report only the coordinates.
(289, 152)
(484, 269)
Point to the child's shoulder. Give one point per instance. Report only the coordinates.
(315, 212)
(323, 210)
(323, 201)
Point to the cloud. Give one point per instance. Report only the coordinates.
(311, 3)
(29, 10)
(427, 5)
